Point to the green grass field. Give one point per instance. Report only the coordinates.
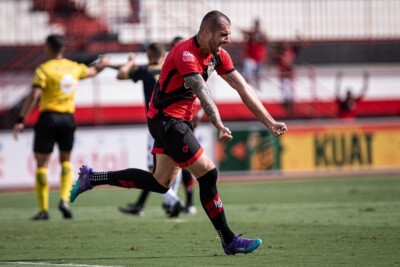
(327, 222)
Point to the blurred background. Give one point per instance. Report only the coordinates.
(316, 57)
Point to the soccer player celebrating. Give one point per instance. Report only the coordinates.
(54, 83)
(183, 79)
(148, 74)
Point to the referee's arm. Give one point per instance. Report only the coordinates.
(26, 109)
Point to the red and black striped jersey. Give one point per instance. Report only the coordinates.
(171, 97)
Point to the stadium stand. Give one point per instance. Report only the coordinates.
(367, 33)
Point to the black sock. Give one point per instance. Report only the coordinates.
(212, 205)
(188, 181)
(129, 178)
(142, 198)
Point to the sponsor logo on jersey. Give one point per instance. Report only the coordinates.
(187, 56)
(68, 83)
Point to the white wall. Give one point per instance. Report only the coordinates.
(103, 149)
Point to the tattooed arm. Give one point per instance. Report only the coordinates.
(253, 103)
(197, 83)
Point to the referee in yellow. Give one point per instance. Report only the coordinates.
(54, 84)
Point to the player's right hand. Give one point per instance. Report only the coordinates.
(18, 127)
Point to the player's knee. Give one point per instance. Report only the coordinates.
(209, 179)
(163, 190)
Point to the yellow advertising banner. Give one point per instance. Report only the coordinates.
(344, 146)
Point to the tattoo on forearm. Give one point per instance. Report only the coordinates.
(197, 83)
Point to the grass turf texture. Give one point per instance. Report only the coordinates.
(328, 222)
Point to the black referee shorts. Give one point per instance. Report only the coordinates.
(175, 138)
(51, 128)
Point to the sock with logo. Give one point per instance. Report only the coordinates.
(42, 189)
(212, 205)
(66, 180)
(129, 178)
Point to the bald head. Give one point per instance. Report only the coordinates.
(214, 20)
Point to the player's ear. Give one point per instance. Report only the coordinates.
(208, 32)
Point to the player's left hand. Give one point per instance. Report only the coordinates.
(278, 128)
(225, 135)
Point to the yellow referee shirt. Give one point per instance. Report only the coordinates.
(58, 79)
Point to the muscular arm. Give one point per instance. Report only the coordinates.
(197, 83)
(253, 103)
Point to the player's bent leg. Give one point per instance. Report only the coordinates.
(129, 178)
(165, 170)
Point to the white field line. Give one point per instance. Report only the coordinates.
(51, 264)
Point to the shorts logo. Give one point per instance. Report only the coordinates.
(187, 56)
(185, 149)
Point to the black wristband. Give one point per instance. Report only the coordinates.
(20, 119)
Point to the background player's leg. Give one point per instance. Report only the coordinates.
(188, 182)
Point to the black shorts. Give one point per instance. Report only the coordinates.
(51, 128)
(175, 138)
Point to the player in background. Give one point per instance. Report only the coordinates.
(256, 54)
(54, 84)
(285, 57)
(183, 79)
(347, 106)
(149, 75)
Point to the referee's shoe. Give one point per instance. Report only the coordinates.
(65, 209)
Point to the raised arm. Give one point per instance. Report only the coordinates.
(338, 81)
(365, 85)
(98, 66)
(123, 71)
(197, 83)
(253, 103)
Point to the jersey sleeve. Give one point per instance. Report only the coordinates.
(39, 78)
(137, 74)
(83, 71)
(186, 63)
(226, 65)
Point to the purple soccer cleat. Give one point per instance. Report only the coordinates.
(82, 184)
(242, 245)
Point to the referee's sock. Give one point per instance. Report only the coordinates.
(42, 189)
(66, 180)
(212, 205)
(129, 178)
